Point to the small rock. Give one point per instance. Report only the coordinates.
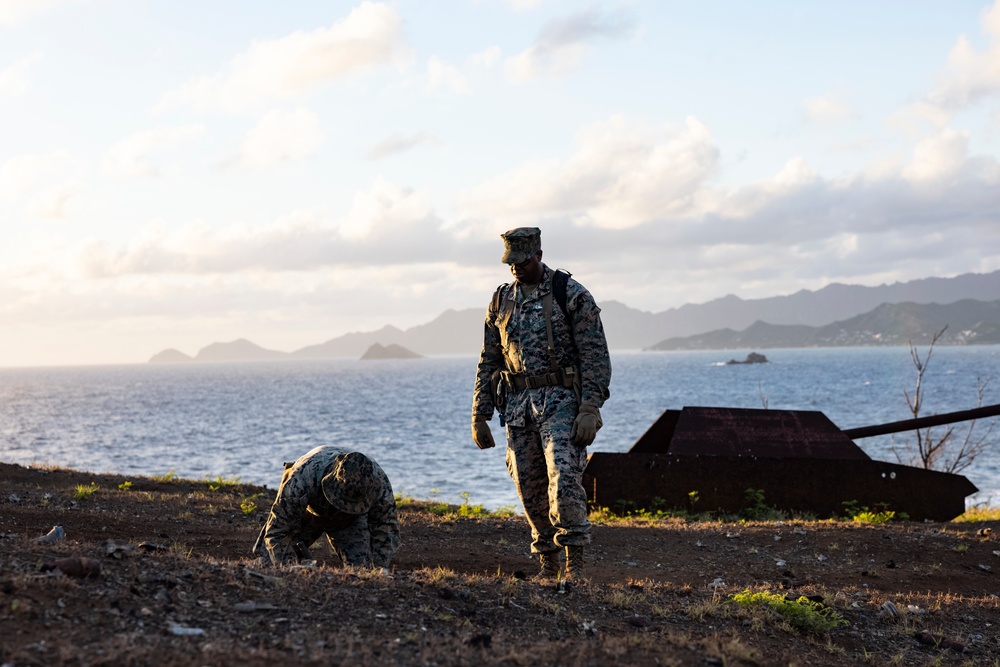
(57, 534)
(181, 630)
(638, 621)
(79, 567)
(890, 611)
(939, 641)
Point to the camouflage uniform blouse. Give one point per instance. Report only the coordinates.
(301, 511)
(520, 345)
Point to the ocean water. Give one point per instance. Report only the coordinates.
(244, 419)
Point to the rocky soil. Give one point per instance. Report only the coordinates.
(156, 572)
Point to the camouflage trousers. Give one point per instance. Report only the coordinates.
(547, 469)
(351, 542)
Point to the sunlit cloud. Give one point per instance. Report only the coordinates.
(39, 186)
(400, 143)
(524, 5)
(938, 157)
(442, 75)
(971, 76)
(280, 136)
(620, 175)
(135, 155)
(13, 12)
(826, 110)
(16, 79)
(562, 44)
(486, 58)
(370, 36)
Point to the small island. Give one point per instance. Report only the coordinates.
(170, 356)
(752, 358)
(392, 351)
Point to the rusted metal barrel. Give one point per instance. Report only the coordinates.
(923, 422)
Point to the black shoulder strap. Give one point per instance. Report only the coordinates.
(497, 298)
(559, 280)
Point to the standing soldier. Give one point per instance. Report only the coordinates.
(339, 492)
(545, 368)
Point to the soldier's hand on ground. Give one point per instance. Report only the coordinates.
(585, 427)
(481, 433)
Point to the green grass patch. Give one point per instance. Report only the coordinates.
(983, 513)
(853, 511)
(249, 504)
(168, 476)
(802, 614)
(84, 491)
(220, 482)
(449, 510)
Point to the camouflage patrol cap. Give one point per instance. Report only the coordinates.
(351, 486)
(520, 244)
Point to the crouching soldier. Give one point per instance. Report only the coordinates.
(335, 491)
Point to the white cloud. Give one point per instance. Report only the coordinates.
(15, 11)
(386, 225)
(39, 185)
(15, 79)
(442, 75)
(524, 5)
(20, 173)
(486, 58)
(398, 143)
(620, 176)
(133, 156)
(826, 109)
(938, 157)
(386, 212)
(971, 76)
(561, 45)
(281, 136)
(370, 36)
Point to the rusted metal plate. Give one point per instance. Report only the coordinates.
(745, 432)
(657, 437)
(817, 486)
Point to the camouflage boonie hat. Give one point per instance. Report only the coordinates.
(352, 486)
(520, 244)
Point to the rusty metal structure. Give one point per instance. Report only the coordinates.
(799, 459)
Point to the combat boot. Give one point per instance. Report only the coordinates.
(550, 565)
(574, 563)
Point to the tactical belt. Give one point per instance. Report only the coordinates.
(559, 378)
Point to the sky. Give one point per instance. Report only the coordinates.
(174, 174)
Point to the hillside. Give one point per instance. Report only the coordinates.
(460, 331)
(968, 322)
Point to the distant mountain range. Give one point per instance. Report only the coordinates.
(834, 315)
(966, 322)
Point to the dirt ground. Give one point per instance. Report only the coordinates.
(175, 586)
